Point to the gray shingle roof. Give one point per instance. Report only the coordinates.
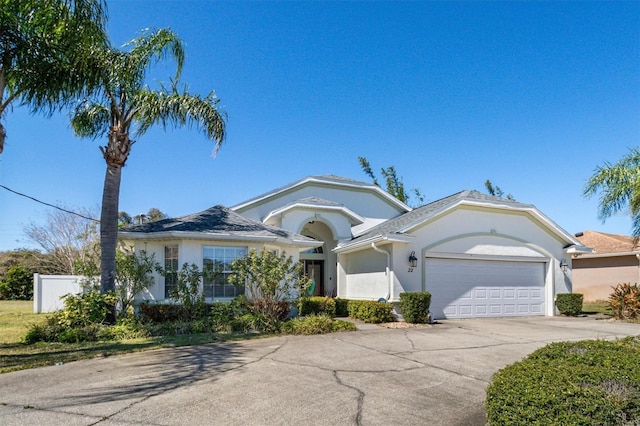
(216, 220)
(420, 214)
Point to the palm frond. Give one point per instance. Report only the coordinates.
(180, 109)
(91, 120)
(619, 188)
(157, 45)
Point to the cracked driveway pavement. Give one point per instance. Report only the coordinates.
(432, 375)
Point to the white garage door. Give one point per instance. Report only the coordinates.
(462, 288)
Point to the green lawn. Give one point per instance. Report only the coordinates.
(597, 307)
(17, 316)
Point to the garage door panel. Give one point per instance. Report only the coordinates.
(464, 288)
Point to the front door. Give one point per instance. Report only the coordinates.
(314, 269)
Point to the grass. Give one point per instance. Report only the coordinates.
(16, 317)
(597, 307)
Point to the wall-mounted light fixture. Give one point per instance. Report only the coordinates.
(564, 264)
(413, 260)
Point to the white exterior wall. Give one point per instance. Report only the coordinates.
(366, 276)
(483, 233)
(464, 232)
(295, 220)
(363, 202)
(190, 251)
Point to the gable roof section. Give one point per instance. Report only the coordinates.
(604, 243)
(217, 223)
(317, 203)
(399, 228)
(327, 180)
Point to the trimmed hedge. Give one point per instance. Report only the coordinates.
(342, 307)
(317, 305)
(370, 311)
(162, 313)
(316, 324)
(569, 303)
(415, 306)
(592, 382)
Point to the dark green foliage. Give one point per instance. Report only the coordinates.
(415, 306)
(625, 301)
(161, 313)
(316, 324)
(278, 310)
(342, 307)
(317, 305)
(370, 311)
(17, 284)
(81, 320)
(569, 303)
(591, 382)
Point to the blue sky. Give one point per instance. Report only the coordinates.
(532, 95)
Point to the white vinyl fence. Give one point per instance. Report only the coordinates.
(48, 289)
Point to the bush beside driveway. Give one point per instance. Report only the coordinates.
(433, 375)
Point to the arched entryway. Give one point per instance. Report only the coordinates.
(320, 262)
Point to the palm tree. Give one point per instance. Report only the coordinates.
(619, 187)
(125, 100)
(45, 51)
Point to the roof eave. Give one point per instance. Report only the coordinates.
(366, 243)
(215, 236)
(303, 181)
(526, 208)
(355, 218)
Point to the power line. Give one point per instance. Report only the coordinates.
(47, 204)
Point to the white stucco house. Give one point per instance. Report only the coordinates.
(478, 255)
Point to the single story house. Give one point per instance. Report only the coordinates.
(478, 255)
(615, 260)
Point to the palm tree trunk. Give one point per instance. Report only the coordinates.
(109, 233)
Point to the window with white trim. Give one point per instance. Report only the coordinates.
(171, 267)
(218, 259)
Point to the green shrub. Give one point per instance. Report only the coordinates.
(342, 309)
(317, 305)
(415, 306)
(316, 324)
(158, 313)
(370, 311)
(85, 309)
(17, 284)
(569, 303)
(625, 301)
(591, 382)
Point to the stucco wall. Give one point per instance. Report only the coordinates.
(478, 232)
(363, 202)
(594, 277)
(366, 276)
(190, 251)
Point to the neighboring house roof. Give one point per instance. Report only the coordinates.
(219, 223)
(608, 244)
(397, 229)
(326, 179)
(317, 203)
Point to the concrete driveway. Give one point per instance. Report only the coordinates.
(432, 375)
